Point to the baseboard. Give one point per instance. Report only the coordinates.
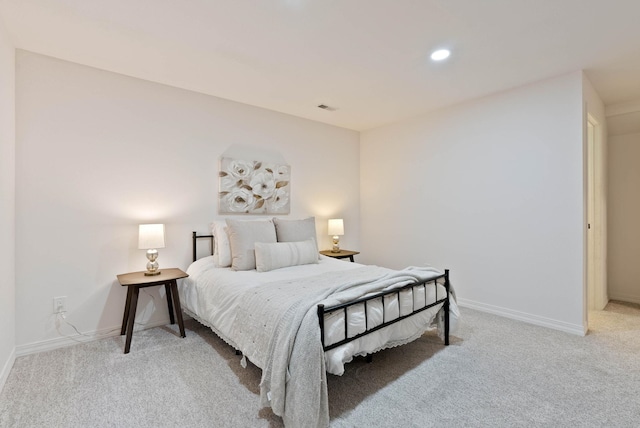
(64, 341)
(8, 365)
(523, 316)
(631, 298)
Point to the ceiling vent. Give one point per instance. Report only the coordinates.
(326, 107)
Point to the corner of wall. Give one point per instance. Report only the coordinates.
(4, 373)
(7, 204)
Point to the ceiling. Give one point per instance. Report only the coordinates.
(368, 59)
(623, 124)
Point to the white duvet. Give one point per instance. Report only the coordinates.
(211, 295)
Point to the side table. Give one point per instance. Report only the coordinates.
(342, 254)
(134, 281)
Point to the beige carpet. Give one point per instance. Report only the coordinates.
(616, 317)
(496, 373)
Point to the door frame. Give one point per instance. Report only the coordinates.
(595, 231)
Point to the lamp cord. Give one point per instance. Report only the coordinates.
(62, 316)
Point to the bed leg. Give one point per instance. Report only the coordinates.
(446, 308)
(446, 322)
(369, 358)
(321, 322)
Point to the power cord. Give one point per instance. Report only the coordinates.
(62, 316)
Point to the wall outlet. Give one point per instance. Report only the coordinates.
(59, 304)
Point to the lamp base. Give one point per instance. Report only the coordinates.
(336, 245)
(152, 266)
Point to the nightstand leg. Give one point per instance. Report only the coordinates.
(176, 300)
(132, 318)
(127, 305)
(167, 289)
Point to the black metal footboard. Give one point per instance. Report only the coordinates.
(442, 279)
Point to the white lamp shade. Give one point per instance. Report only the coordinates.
(150, 236)
(336, 226)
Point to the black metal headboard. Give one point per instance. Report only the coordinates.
(195, 237)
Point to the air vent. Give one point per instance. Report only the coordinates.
(326, 107)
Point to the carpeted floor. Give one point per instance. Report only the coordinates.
(496, 373)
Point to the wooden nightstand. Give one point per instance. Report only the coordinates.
(134, 282)
(343, 254)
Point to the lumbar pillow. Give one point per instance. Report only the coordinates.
(222, 253)
(284, 254)
(243, 236)
(296, 230)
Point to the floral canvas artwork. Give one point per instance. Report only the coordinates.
(253, 187)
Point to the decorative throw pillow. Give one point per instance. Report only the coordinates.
(243, 236)
(222, 253)
(284, 254)
(296, 230)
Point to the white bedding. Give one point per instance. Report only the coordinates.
(211, 295)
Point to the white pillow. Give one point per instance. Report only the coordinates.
(222, 252)
(196, 268)
(284, 254)
(296, 230)
(243, 236)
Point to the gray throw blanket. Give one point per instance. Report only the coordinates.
(277, 328)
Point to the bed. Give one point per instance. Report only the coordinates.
(299, 320)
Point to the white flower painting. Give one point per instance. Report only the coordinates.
(253, 187)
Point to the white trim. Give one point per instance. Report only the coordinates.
(577, 329)
(4, 374)
(623, 297)
(64, 341)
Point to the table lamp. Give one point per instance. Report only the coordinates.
(336, 228)
(150, 237)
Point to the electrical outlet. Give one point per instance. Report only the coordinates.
(59, 304)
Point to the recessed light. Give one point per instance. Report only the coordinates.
(440, 54)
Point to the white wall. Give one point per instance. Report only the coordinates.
(624, 212)
(98, 153)
(7, 205)
(493, 190)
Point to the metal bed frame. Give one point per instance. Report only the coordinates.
(444, 278)
(323, 311)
